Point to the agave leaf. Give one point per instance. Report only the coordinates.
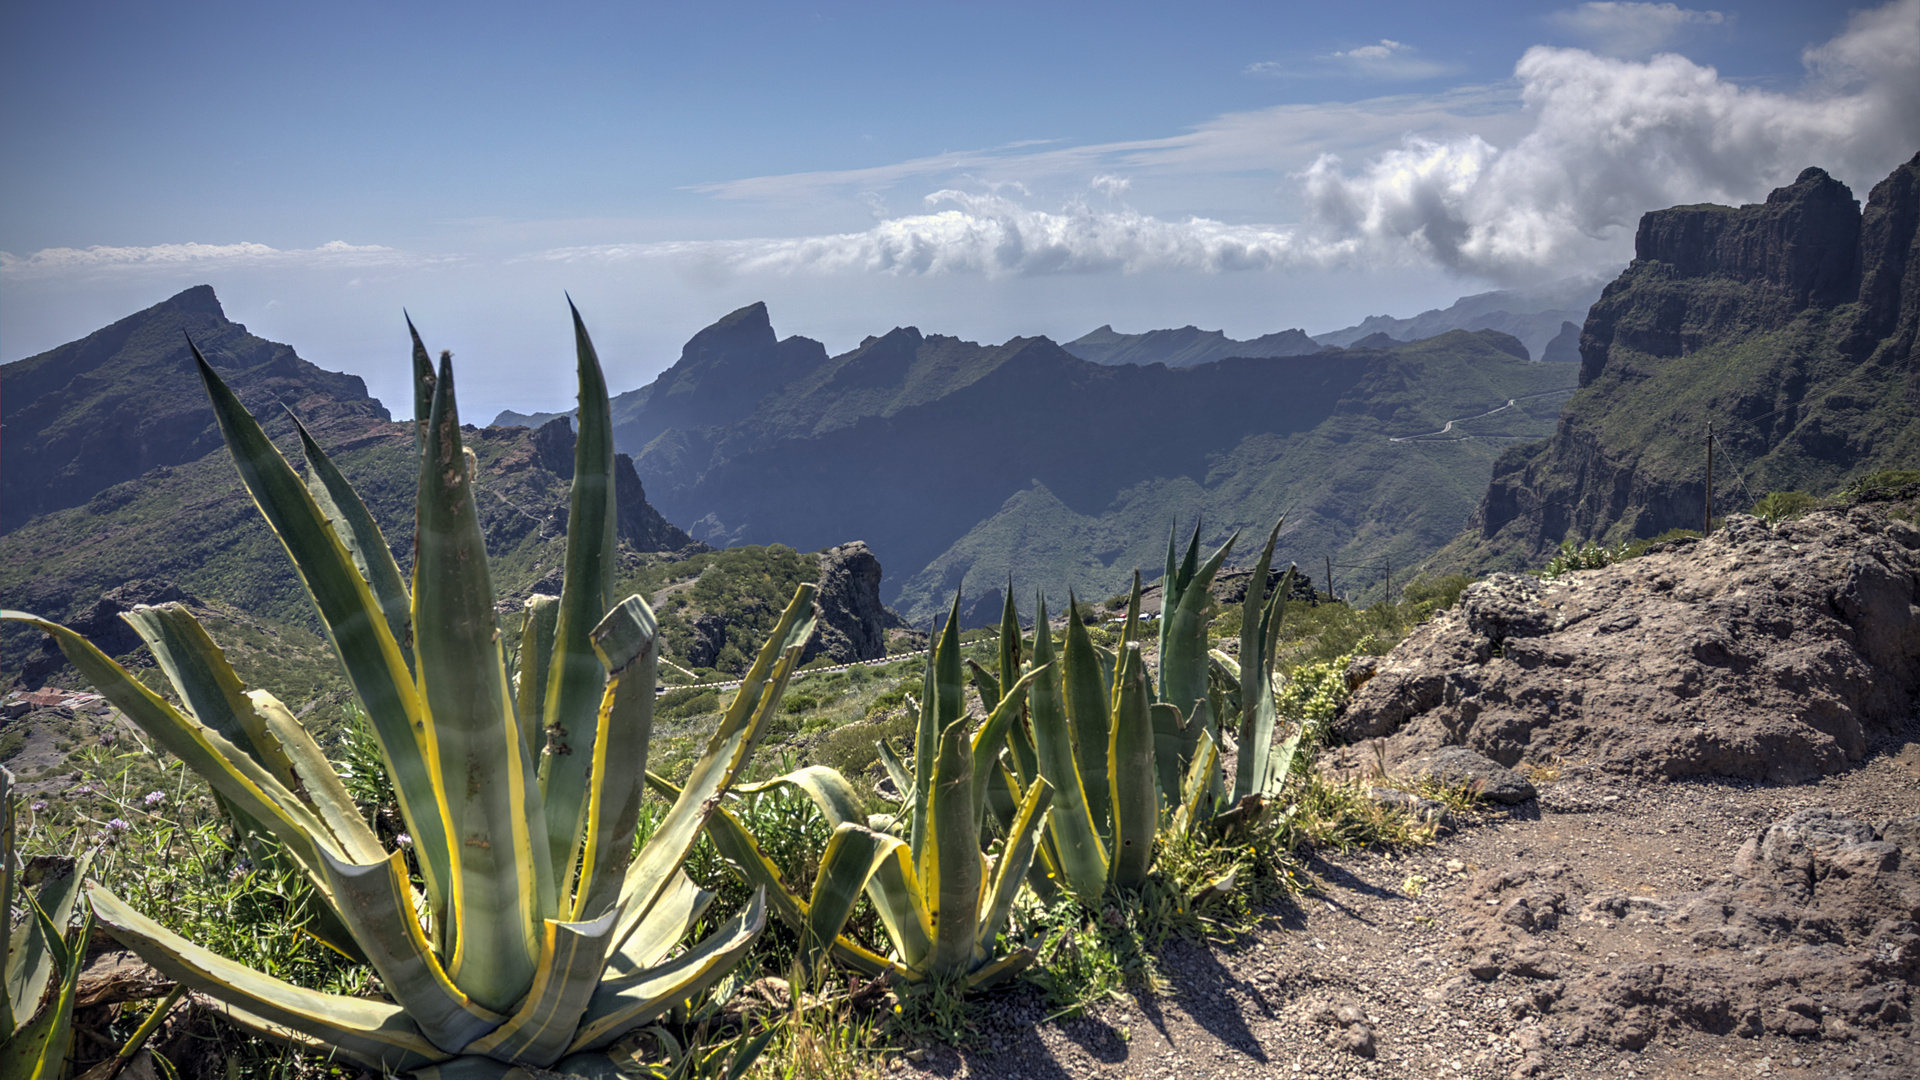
(1089, 697)
(231, 773)
(376, 902)
(1000, 970)
(38, 1050)
(1016, 859)
(991, 735)
(853, 853)
(900, 899)
(627, 641)
(32, 957)
(372, 1033)
(1195, 803)
(740, 728)
(898, 774)
(423, 380)
(1076, 842)
(680, 907)
(1183, 633)
(500, 894)
(984, 684)
(950, 862)
(207, 684)
(536, 652)
(1257, 712)
(837, 799)
(572, 955)
(362, 537)
(576, 678)
(624, 1002)
(317, 782)
(1132, 784)
(354, 621)
(1169, 743)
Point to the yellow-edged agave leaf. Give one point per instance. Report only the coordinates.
(836, 798)
(1076, 841)
(853, 853)
(1132, 791)
(623, 1002)
(32, 956)
(745, 720)
(671, 919)
(372, 1033)
(1169, 743)
(900, 899)
(1183, 640)
(991, 736)
(230, 771)
(572, 955)
(950, 861)
(207, 684)
(361, 534)
(1088, 698)
(38, 1050)
(536, 654)
(501, 891)
(576, 676)
(318, 783)
(1011, 868)
(1260, 616)
(355, 623)
(1000, 970)
(627, 641)
(376, 902)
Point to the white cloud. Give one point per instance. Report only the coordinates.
(52, 262)
(1614, 138)
(1110, 185)
(1633, 29)
(994, 236)
(1385, 59)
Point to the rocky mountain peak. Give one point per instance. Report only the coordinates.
(1803, 241)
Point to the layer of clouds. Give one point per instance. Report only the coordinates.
(96, 260)
(1633, 29)
(996, 236)
(1384, 59)
(1614, 138)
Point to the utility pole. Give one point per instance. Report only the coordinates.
(1389, 564)
(1709, 526)
(1330, 595)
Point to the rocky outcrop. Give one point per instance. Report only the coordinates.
(1788, 325)
(1766, 653)
(1565, 346)
(853, 622)
(722, 372)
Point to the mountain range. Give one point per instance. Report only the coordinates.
(965, 465)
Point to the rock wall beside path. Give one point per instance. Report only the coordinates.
(1765, 653)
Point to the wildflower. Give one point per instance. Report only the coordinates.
(83, 789)
(155, 798)
(38, 805)
(106, 738)
(118, 826)
(403, 840)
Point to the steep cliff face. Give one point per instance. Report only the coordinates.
(722, 371)
(123, 400)
(1788, 326)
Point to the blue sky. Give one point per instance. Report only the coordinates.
(983, 170)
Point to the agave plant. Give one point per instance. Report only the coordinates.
(35, 1041)
(1261, 766)
(1191, 730)
(537, 936)
(941, 900)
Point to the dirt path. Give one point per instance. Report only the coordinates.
(1594, 932)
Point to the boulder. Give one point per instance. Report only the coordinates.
(853, 622)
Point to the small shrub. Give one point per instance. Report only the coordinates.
(1589, 556)
(1781, 506)
(1882, 486)
(795, 704)
(1428, 595)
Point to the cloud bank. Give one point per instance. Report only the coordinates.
(995, 236)
(1614, 138)
(57, 262)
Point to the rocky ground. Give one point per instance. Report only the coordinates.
(1685, 928)
(1711, 865)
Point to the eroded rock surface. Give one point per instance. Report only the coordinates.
(1763, 653)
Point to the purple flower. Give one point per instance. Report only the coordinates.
(403, 840)
(155, 798)
(118, 826)
(106, 738)
(38, 805)
(83, 789)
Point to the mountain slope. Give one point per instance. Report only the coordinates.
(123, 400)
(1788, 325)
